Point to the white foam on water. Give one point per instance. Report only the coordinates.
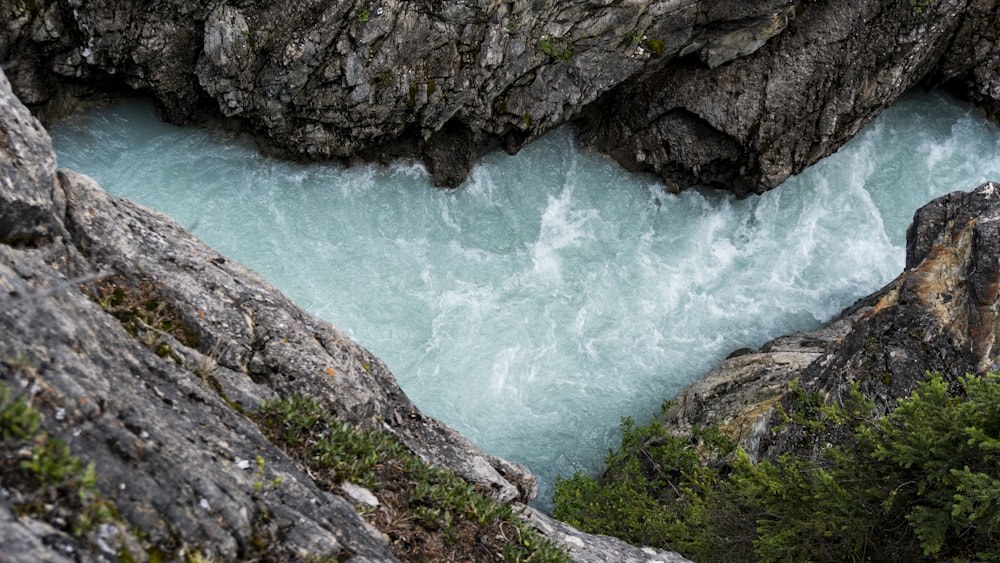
(554, 293)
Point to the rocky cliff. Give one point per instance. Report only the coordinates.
(148, 353)
(939, 315)
(748, 124)
(734, 94)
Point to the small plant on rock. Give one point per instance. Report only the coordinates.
(47, 481)
(557, 48)
(427, 513)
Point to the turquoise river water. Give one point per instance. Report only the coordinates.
(554, 293)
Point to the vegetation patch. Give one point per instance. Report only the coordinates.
(246, 37)
(427, 513)
(921, 483)
(386, 78)
(45, 480)
(143, 311)
(557, 48)
(411, 99)
(655, 46)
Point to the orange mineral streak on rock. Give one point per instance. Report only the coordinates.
(939, 284)
(888, 300)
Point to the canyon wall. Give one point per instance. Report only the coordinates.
(737, 95)
(732, 94)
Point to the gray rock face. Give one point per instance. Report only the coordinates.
(166, 445)
(590, 548)
(343, 78)
(27, 160)
(750, 124)
(23, 539)
(264, 344)
(734, 94)
(972, 64)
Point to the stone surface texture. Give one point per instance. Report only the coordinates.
(721, 92)
(749, 124)
(591, 548)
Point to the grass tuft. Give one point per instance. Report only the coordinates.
(46, 480)
(427, 513)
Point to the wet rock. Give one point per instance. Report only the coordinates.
(737, 95)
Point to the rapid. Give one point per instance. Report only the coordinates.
(553, 293)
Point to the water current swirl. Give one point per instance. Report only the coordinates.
(554, 292)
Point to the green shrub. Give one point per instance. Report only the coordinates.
(657, 489)
(18, 420)
(922, 482)
(941, 453)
